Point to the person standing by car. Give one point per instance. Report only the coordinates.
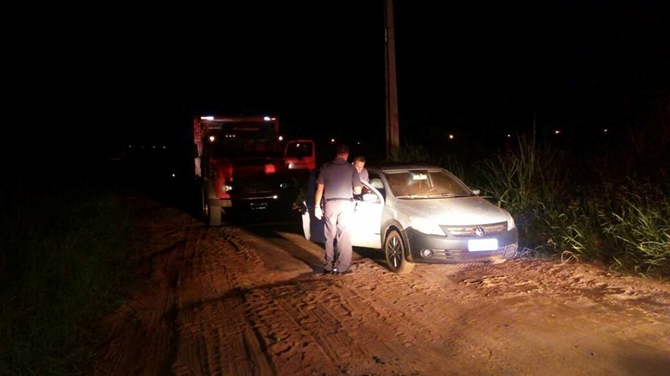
(359, 163)
(337, 182)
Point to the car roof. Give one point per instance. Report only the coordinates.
(391, 166)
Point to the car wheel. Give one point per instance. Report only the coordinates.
(394, 250)
(511, 251)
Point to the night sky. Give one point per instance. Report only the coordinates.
(122, 72)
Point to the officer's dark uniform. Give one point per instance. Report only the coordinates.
(338, 177)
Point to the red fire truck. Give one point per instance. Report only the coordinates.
(243, 163)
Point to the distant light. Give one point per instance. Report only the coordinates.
(211, 138)
(557, 131)
(207, 117)
(451, 136)
(281, 138)
(358, 142)
(130, 146)
(509, 135)
(332, 140)
(153, 147)
(267, 118)
(163, 146)
(605, 130)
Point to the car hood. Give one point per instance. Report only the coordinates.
(455, 211)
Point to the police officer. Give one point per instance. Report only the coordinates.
(337, 182)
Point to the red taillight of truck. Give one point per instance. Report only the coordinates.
(270, 169)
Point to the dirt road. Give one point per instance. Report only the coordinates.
(225, 301)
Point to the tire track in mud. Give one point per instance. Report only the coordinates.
(578, 285)
(542, 291)
(544, 300)
(348, 340)
(140, 331)
(187, 316)
(215, 335)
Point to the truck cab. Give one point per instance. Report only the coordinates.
(243, 163)
(300, 155)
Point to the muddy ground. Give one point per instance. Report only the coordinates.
(248, 299)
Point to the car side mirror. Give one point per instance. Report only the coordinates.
(477, 192)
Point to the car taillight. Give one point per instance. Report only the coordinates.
(270, 169)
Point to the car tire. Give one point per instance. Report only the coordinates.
(395, 252)
(511, 251)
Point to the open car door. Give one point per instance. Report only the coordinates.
(366, 222)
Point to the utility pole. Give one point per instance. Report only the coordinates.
(392, 128)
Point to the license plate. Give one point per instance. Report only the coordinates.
(258, 205)
(478, 245)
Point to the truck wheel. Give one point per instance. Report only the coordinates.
(213, 215)
(394, 249)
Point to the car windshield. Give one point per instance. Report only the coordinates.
(426, 184)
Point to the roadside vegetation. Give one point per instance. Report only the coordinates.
(609, 205)
(63, 262)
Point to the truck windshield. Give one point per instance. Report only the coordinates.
(299, 149)
(234, 147)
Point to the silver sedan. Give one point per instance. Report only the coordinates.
(423, 214)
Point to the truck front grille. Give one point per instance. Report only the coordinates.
(250, 189)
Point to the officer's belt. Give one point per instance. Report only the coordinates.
(340, 199)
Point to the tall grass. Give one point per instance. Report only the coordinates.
(528, 180)
(62, 263)
(624, 225)
(636, 220)
(611, 205)
(620, 217)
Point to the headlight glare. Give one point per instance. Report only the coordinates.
(425, 226)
